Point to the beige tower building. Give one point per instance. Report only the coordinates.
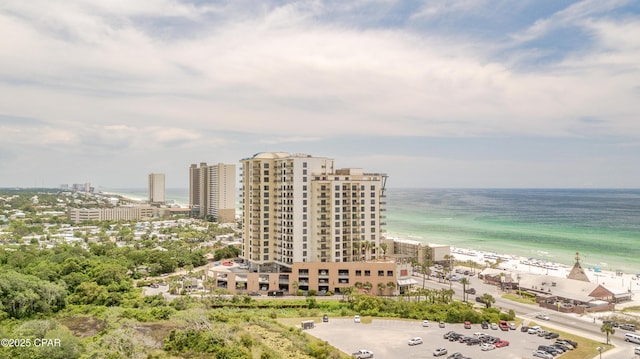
(156, 188)
(298, 208)
(212, 190)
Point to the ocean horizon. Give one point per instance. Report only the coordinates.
(603, 225)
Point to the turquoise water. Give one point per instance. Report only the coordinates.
(603, 225)
(550, 224)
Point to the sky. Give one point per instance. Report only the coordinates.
(452, 94)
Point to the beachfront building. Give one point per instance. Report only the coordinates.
(127, 213)
(299, 208)
(212, 191)
(375, 277)
(406, 250)
(157, 188)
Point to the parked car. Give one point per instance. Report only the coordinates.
(441, 325)
(502, 343)
(456, 355)
(485, 325)
(467, 325)
(542, 354)
(542, 316)
(439, 352)
(534, 330)
(512, 326)
(504, 326)
(487, 346)
(362, 354)
(447, 334)
(325, 318)
(494, 326)
(470, 291)
(415, 341)
(425, 323)
(629, 327)
(568, 341)
(356, 319)
(551, 335)
(524, 328)
(473, 341)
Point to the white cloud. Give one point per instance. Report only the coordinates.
(108, 78)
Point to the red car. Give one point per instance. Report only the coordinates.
(501, 343)
(467, 325)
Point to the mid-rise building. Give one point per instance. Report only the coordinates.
(127, 213)
(212, 191)
(156, 188)
(299, 208)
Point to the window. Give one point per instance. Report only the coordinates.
(373, 188)
(266, 188)
(265, 201)
(304, 172)
(266, 179)
(373, 194)
(265, 250)
(304, 165)
(304, 179)
(367, 273)
(380, 273)
(265, 258)
(265, 165)
(304, 188)
(358, 273)
(389, 273)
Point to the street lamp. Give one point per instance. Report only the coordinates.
(600, 349)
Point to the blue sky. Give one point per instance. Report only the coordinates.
(457, 93)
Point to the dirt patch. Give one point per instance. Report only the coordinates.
(84, 326)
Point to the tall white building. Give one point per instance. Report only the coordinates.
(156, 188)
(212, 191)
(298, 208)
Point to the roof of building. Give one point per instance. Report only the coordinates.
(577, 273)
(559, 286)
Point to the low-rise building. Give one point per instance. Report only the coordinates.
(376, 277)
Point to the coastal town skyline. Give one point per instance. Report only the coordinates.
(466, 93)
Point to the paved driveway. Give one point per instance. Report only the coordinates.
(388, 339)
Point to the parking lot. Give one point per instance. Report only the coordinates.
(389, 339)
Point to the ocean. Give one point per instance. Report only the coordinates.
(603, 225)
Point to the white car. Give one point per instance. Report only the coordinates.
(543, 316)
(439, 352)
(534, 330)
(415, 341)
(356, 319)
(487, 346)
(542, 354)
(425, 323)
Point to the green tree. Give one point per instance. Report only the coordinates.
(488, 300)
(464, 281)
(608, 329)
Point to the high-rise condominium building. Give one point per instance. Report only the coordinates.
(156, 188)
(298, 208)
(212, 190)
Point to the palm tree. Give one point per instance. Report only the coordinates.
(449, 259)
(608, 330)
(368, 286)
(488, 300)
(425, 271)
(391, 285)
(464, 281)
(384, 247)
(381, 288)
